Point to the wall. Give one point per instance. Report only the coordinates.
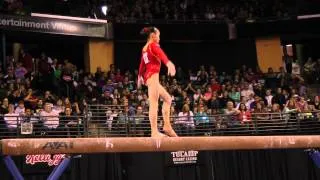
(269, 53)
(100, 54)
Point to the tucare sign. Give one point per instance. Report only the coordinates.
(184, 157)
(54, 26)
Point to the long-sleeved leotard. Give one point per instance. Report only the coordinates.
(151, 61)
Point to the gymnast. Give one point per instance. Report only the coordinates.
(152, 57)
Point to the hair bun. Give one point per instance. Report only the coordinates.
(145, 31)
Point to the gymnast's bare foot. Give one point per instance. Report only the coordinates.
(158, 135)
(170, 132)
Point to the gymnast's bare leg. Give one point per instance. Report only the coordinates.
(153, 93)
(167, 128)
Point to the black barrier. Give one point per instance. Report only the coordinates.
(112, 121)
(55, 26)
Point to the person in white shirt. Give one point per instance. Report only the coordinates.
(50, 117)
(20, 109)
(247, 92)
(296, 70)
(269, 97)
(185, 120)
(198, 95)
(11, 118)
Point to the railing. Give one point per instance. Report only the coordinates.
(101, 123)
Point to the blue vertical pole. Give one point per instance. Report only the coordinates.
(315, 156)
(57, 171)
(12, 168)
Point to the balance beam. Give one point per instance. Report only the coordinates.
(147, 144)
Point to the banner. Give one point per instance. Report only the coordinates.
(50, 160)
(54, 26)
(182, 157)
(40, 163)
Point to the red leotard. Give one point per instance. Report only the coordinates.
(151, 61)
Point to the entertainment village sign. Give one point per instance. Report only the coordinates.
(54, 26)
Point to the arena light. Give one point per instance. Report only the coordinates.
(104, 9)
(69, 18)
(309, 16)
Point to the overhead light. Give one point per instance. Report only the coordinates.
(104, 9)
(289, 45)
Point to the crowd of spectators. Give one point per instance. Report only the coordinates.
(129, 11)
(42, 89)
(126, 10)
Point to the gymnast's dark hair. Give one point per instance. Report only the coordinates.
(146, 31)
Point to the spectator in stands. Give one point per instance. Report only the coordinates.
(70, 121)
(224, 99)
(316, 102)
(67, 103)
(202, 120)
(50, 117)
(291, 106)
(253, 104)
(234, 94)
(208, 94)
(109, 119)
(140, 122)
(202, 76)
(282, 78)
(301, 103)
(268, 97)
(296, 70)
(76, 108)
(279, 97)
(276, 114)
(197, 95)
(48, 97)
(4, 108)
(190, 89)
(15, 97)
(30, 99)
(260, 112)
(27, 60)
(20, 109)
(271, 79)
(106, 98)
(231, 114)
(20, 71)
(215, 86)
(59, 106)
(244, 114)
(11, 119)
(185, 121)
(173, 113)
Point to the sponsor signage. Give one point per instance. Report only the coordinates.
(50, 160)
(54, 26)
(184, 157)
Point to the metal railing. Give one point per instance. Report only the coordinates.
(114, 122)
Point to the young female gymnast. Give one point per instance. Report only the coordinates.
(152, 57)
